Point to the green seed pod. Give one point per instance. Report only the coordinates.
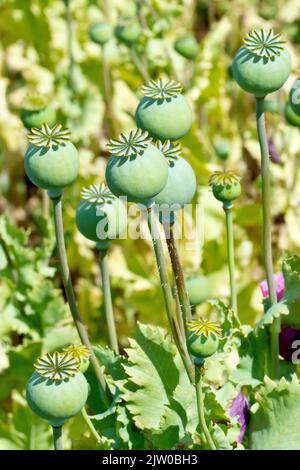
(203, 340)
(137, 169)
(262, 65)
(164, 111)
(100, 214)
(290, 116)
(51, 160)
(222, 148)
(37, 111)
(225, 186)
(197, 288)
(128, 34)
(294, 97)
(187, 47)
(101, 33)
(181, 185)
(57, 390)
(81, 354)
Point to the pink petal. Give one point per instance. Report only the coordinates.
(279, 285)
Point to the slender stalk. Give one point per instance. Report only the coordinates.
(143, 23)
(107, 91)
(45, 202)
(90, 425)
(178, 274)
(140, 14)
(230, 256)
(267, 234)
(57, 437)
(139, 65)
(178, 307)
(110, 320)
(173, 69)
(200, 408)
(167, 292)
(69, 21)
(67, 282)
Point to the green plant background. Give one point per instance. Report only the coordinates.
(33, 55)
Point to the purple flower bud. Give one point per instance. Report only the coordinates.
(240, 407)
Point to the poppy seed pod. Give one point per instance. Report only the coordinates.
(262, 65)
(163, 111)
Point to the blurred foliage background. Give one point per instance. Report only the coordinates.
(34, 55)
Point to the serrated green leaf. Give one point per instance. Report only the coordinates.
(111, 361)
(153, 376)
(25, 430)
(252, 356)
(131, 436)
(275, 422)
(220, 438)
(273, 312)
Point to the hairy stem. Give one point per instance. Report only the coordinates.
(67, 282)
(178, 307)
(267, 234)
(167, 292)
(200, 407)
(90, 425)
(178, 274)
(57, 437)
(230, 256)
(110, 320)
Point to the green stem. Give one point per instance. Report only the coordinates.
(173, 69)
(90, 425)
(143, 23)
(267, 234)
(45, 201)
(108, 92)
(57, 437)
(110, 320)
(139, 65)
(230, 256)
(178, 307)
(69, 21)
(140, 14)
(200, 408)
(67, 282)
(167, 292)
(178, 274)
